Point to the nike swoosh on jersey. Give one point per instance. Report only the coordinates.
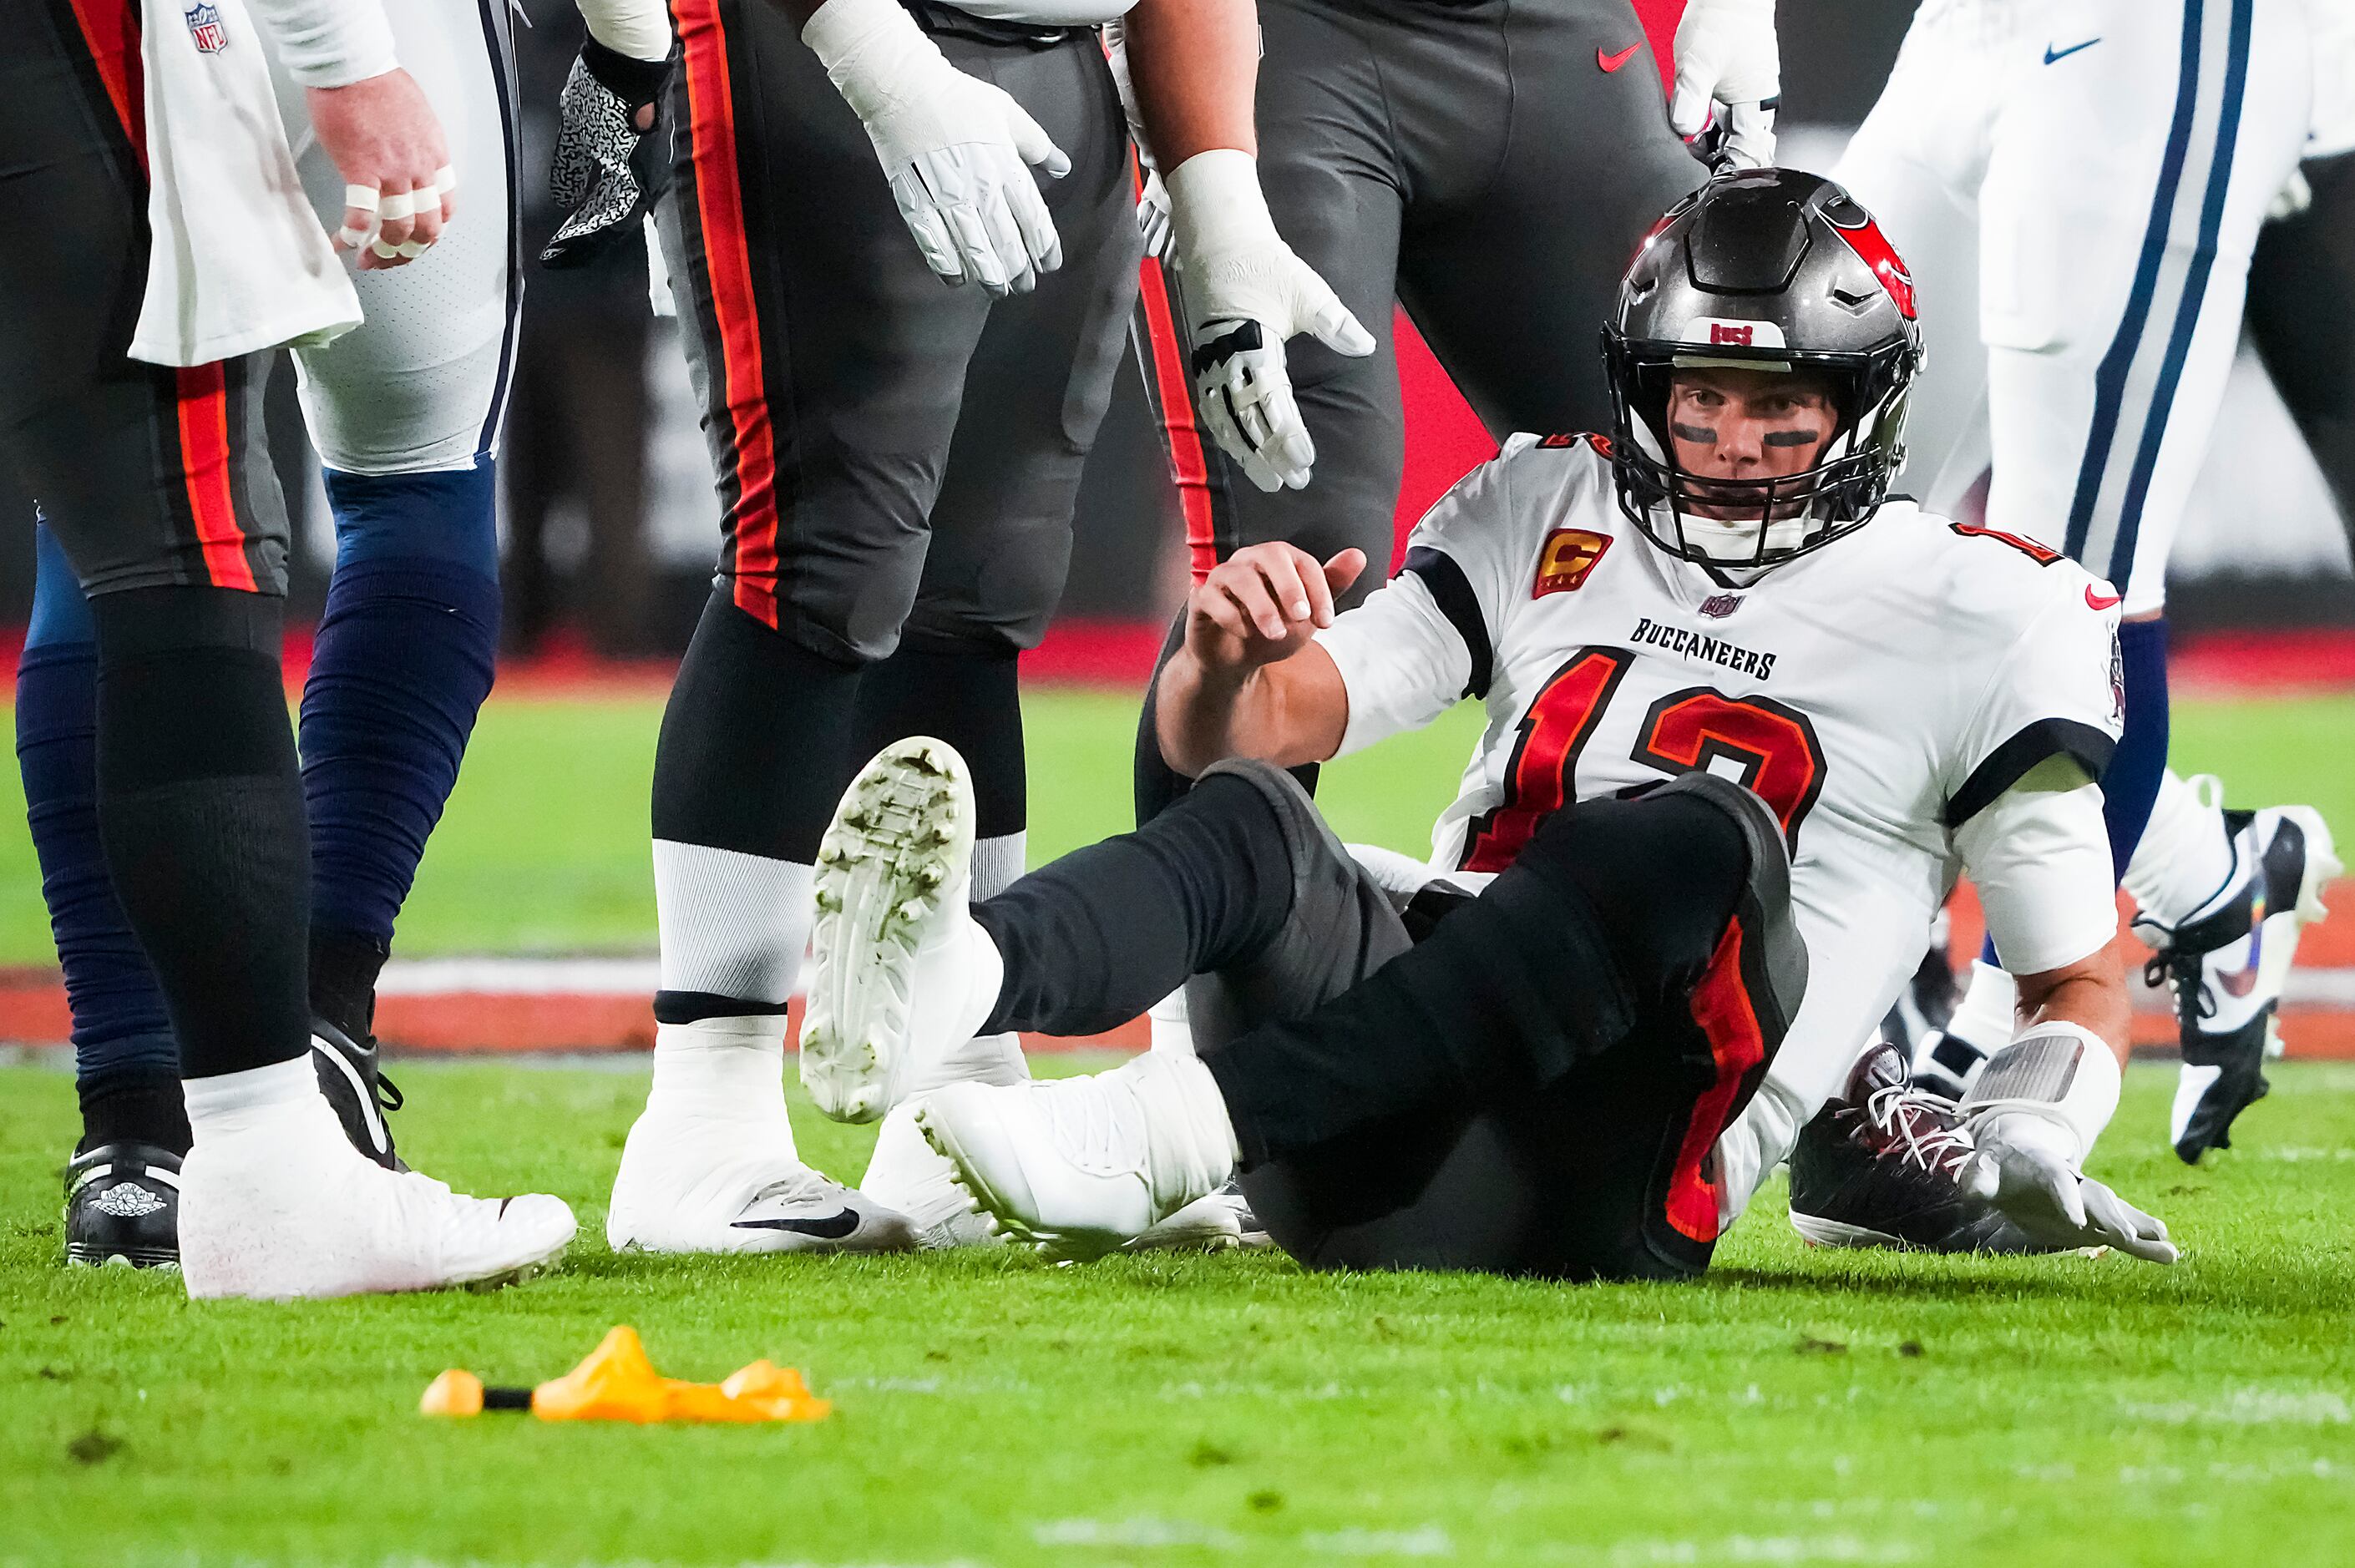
(1612, 62)
(2095, 601)
(2051, 54)
(831, 1227)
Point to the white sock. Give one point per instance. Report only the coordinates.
(237, 1102)
(732, 924)
(731, 1069)
(1986, 1017)
(2184, 859)
(1173, 1026)
(998, 863)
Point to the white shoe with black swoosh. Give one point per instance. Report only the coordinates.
(710, 1183)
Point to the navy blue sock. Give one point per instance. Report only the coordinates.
(401, 664)
(126, 1063)
(2130, 789)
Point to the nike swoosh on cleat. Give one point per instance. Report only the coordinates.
(2095, 601)
(2243, 981)
(2051, 54)
(833, 1227)
(1612, 62)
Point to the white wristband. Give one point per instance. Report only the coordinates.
(638, 28)
(2063, 1073)
(1216, 205)
(869, 48)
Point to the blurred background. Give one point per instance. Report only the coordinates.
(610, 526)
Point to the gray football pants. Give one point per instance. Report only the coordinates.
(1479, 163)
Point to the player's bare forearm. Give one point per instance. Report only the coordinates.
(1195, 66)
(1288, 714)
(2090, 993)
(1250, 680)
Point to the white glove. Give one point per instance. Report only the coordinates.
(2026, 1165)
(2033, 1112)
(1152, 202)
(953, 146)
(1246, 294)
(1726, 54)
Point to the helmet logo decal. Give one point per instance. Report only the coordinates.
(1726, 332)
(1873, 248)
(1568, 559)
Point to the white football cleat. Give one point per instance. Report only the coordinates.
(899, 972)
(715, 1183)
(1220, 1223)
(280, 1206)
(2229, 962)
(906, 1174)
(1079, 1166)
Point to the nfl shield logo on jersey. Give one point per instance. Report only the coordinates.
(205, 28)
(1569, 556)
(1718, 606)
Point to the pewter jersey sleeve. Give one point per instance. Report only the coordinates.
(1426, 639)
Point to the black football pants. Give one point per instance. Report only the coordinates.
(1533, 1086)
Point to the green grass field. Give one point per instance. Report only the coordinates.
(544, 847)
(1794, 1407)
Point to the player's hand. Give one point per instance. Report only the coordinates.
(1246, 294)
(383, 138)
(2026, 1166)
(1263, 603)
(956, 150)
(1726, 57)
(608, 165)
(2293, 198)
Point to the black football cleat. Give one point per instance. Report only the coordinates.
(1883, 1168)
(2228, 964)
(122, 1207)
(350, 1077)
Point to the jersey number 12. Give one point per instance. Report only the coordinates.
(1771, 750)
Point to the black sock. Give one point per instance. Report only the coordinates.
(201, 809)
(1103, 934)
(756, 741)
(142, 1104)
(969, 696)
(343, 969)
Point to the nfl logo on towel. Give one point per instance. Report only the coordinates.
(205, 27)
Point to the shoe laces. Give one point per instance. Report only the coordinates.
(2186, 974)
(1920, 1124)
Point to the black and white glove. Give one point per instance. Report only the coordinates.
(606, 172)
(1729, 83)
(1246, 293)
(2033, 1113)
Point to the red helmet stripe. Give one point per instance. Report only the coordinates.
(1873, 248)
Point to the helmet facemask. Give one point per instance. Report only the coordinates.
(1737, 523)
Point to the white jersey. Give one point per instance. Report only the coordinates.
(1876, 694)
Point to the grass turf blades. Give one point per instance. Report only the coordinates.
(1794, 1406)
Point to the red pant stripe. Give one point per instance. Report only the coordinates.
(205, 470)
(728, 261)
(111, 28)
(1188, 464)
(1721, 1006)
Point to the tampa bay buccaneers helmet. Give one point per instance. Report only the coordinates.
(1763, 269)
